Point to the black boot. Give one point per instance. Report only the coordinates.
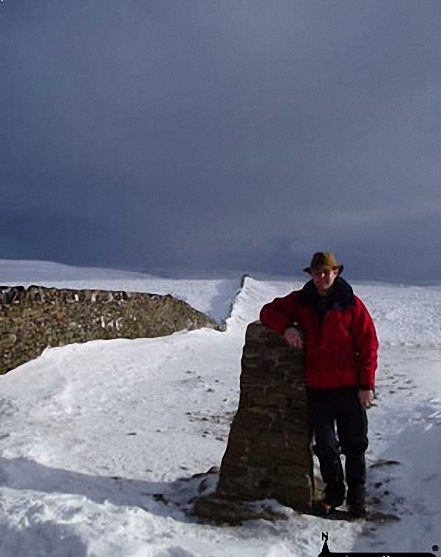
(358, 509)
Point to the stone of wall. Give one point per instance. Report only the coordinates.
(268, 453)
(32, 319)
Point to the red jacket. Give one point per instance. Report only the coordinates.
(342, 350)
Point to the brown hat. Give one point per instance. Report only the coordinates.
(323, 261)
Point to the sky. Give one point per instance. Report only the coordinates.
(212, 135)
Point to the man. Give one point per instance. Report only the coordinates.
(340, 362)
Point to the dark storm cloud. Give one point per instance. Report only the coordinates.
(233, 134)
(34, 233)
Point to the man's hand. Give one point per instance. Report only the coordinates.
(366, 398)
(293, 338)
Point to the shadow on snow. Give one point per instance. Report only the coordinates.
(173, 499)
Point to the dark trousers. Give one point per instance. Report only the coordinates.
(340, 408)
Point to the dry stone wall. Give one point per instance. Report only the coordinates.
(32, 319)
(268, 453)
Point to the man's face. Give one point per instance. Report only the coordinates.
(324, 279)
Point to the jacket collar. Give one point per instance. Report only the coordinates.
(341, 294)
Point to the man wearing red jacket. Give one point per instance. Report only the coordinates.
(340, 361)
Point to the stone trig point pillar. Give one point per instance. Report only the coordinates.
(269, 447)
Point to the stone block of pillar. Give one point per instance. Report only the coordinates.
(268, 454)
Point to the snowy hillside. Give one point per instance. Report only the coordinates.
(93, 437)
(211, 296)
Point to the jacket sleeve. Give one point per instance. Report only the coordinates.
(279, 314)
(366, 346)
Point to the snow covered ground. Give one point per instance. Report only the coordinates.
(93, 437)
